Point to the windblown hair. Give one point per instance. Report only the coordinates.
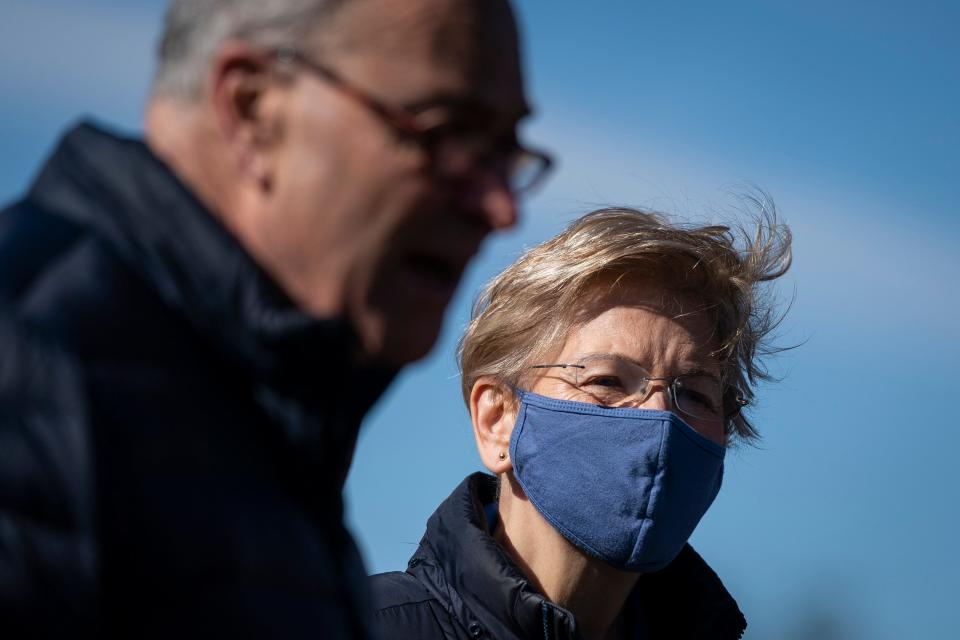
(530, 308)
(195, 29)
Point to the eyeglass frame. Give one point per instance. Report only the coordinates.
(402, 120)
(738, 400)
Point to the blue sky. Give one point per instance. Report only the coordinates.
(842, 523)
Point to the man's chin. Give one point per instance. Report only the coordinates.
(404, 320)
(396, 339)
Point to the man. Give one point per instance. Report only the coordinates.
(235, 293)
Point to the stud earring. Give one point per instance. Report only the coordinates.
(503, 456)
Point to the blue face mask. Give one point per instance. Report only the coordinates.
(627, 486)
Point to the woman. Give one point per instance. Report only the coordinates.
(605, 373)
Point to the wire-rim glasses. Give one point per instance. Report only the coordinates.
(616, 381)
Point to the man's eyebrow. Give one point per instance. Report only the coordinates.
(472, 108)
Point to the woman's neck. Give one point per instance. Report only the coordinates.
(592, 590)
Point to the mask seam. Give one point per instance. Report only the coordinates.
(657, 565)
(649, 512)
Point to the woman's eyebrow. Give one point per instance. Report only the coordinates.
(614, 356)
(693, 370)
(700, 371)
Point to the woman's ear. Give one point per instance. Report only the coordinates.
(493, 412)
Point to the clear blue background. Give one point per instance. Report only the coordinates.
(843, 523)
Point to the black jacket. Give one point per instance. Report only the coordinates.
(184, 475)
(461, 584)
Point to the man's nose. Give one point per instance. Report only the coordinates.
(489, 195)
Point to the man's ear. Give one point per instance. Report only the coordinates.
(238, 85)
(493, 413)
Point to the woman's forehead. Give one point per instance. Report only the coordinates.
(649, 334)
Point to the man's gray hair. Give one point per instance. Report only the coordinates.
(195, 29)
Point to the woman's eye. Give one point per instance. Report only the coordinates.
(699, 399)
(611, 382)
(603, 390)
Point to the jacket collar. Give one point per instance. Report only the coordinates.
(120, 191)
(462, 565)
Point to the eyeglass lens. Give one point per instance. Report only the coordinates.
(522, 169)
(615, 381)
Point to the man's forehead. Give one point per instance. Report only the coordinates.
(444, 51)
(443, 26)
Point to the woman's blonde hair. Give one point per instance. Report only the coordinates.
(529, 309)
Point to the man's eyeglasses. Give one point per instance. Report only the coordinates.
(614, 381)
(455, 153)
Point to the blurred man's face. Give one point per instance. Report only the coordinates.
(359, 222)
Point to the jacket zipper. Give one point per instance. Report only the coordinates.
(546, 625)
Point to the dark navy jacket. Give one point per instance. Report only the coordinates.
(460, 584)
(177, 468)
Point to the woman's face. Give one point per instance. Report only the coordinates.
(632, 337)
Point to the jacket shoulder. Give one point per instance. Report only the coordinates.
(406, 609)
(31, 240)
(396, 588)
(66, 282)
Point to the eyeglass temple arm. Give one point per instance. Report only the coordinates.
(401, 121)
(562, 366)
